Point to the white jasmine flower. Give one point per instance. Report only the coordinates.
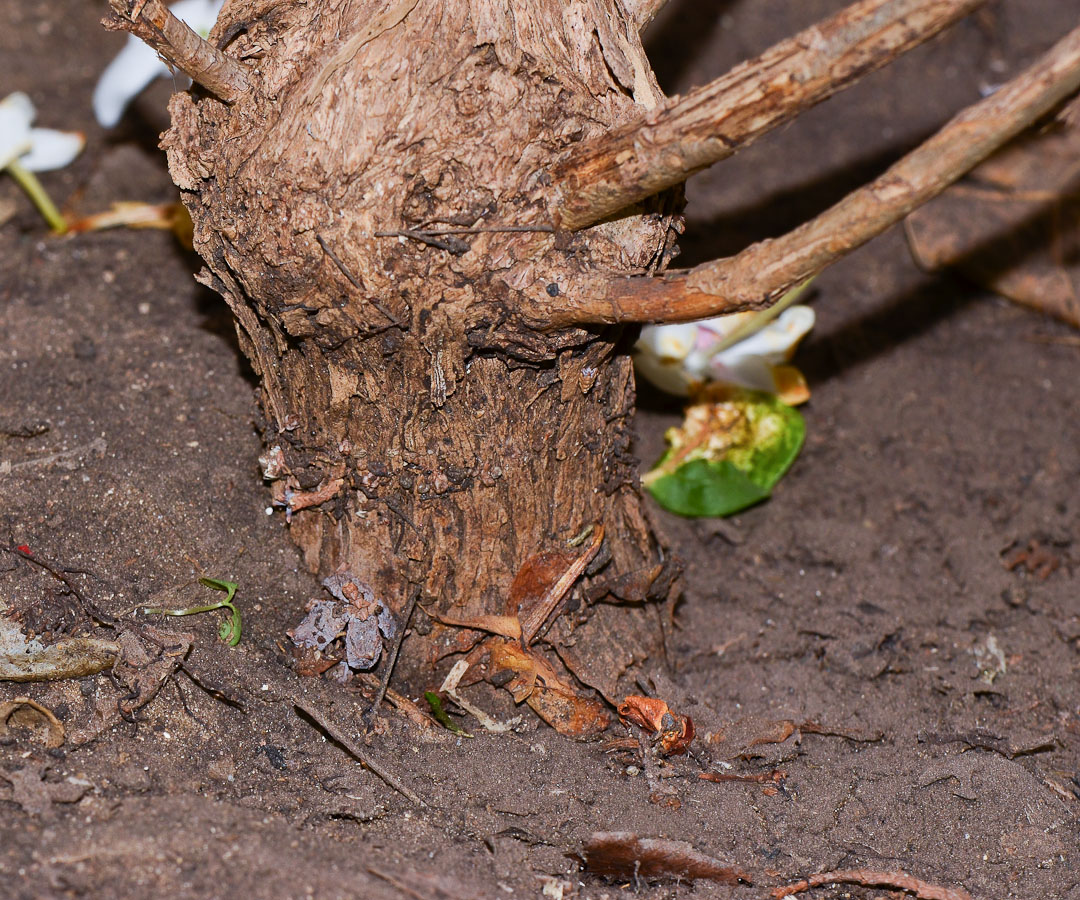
(749, 350)
(25, 150)
(138, 64)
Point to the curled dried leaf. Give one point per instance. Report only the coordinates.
(22, 712)
(675, 731)
(534, 681)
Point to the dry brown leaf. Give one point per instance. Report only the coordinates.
(543, 581)
(22, 712)
(654, 716)
(625, 855)
(535, 682)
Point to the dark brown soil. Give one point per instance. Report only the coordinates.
(936, 693)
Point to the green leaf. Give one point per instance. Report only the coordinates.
(229, 630)
(227, 587)
(441, 714)
(692, 479)
(703, 488)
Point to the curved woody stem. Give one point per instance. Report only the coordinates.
(599, 177)
(152, 22)
(764, 271)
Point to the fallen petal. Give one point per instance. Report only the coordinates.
(124, 79)
(51, 149)
(16, 114)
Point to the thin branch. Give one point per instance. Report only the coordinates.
(897, 880)
(354, 749)
(152, 22)
(602, 176)
(764, 271)
(388, 668)
(353, 280)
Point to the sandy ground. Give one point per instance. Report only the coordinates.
(860, 633)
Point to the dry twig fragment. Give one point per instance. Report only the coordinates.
(200, 60)
(766, 270)
(897, 880)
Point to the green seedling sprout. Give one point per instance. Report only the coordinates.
(33, 189)
(442, 716)
(229, 632)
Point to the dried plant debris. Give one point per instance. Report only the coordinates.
(40, 721)
(354, 615)
(674, 731)
(532, 679)
(623, 855)
(1034, 558)
(738, 739)
(24, 658)
(900, 881)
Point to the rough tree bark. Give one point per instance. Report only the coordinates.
(375, 187)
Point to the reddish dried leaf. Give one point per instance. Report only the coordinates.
(309, 663)
(624, 855)
(504, 626)
(654, 715)
(536, 683)
(777, 733)
(645, 712)
(543, 581)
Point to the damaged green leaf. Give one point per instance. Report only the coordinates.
(729, 453)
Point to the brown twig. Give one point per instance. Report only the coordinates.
(898, 880)
(773, 777)
(391, 659)
(90, 609)
(354, 749)
(152, 22)
(450, 243)
(602, 176)
(765, 271)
